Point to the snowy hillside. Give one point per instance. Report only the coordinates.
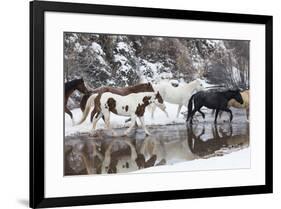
(119, 60)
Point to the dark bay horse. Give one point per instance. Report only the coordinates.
(212, 100)
(69, 88)
(246, 103)
(144, 87)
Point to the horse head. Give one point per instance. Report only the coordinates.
(81, 86)
(196, 85)
(237, 96)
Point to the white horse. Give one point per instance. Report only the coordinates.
(176, 93)
(132, 105)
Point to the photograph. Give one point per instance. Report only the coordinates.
(149, 104)
(124, 98)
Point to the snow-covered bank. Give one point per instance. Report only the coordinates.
(236, 160)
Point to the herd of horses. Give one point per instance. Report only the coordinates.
(133, 101)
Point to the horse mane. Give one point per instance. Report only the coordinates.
(228, 93)
(72, 84)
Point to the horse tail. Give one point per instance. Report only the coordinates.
(89, 104)
(189, 106)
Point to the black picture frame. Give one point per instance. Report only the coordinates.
(37, 169)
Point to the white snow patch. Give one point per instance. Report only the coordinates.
(97, 48)
(120, 58)
(236, 160)
(123, 46)
(155, 70)
(78, 47)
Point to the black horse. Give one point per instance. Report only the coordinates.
(69, 88)
(213, 100)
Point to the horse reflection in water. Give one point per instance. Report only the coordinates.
(222, 141)
(168, 145)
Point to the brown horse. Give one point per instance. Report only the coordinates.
(69, 88)
(144, 87)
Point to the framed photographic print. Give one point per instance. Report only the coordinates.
(135, 104)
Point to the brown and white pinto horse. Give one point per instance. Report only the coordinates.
(69, 88)
(144, 87)
(132, 105)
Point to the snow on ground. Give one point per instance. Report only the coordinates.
(236, 160)
(119, 121)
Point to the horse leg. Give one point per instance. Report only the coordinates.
(70, 114)
(213, 112)
(179, 109)
(143, 126)
(95, 120)
(203, 115)
(191, 115)
(93, 113)
(106, 117)
(230, 113)
(216, 116)
(133, 120)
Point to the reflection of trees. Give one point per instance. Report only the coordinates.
(82, 158)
